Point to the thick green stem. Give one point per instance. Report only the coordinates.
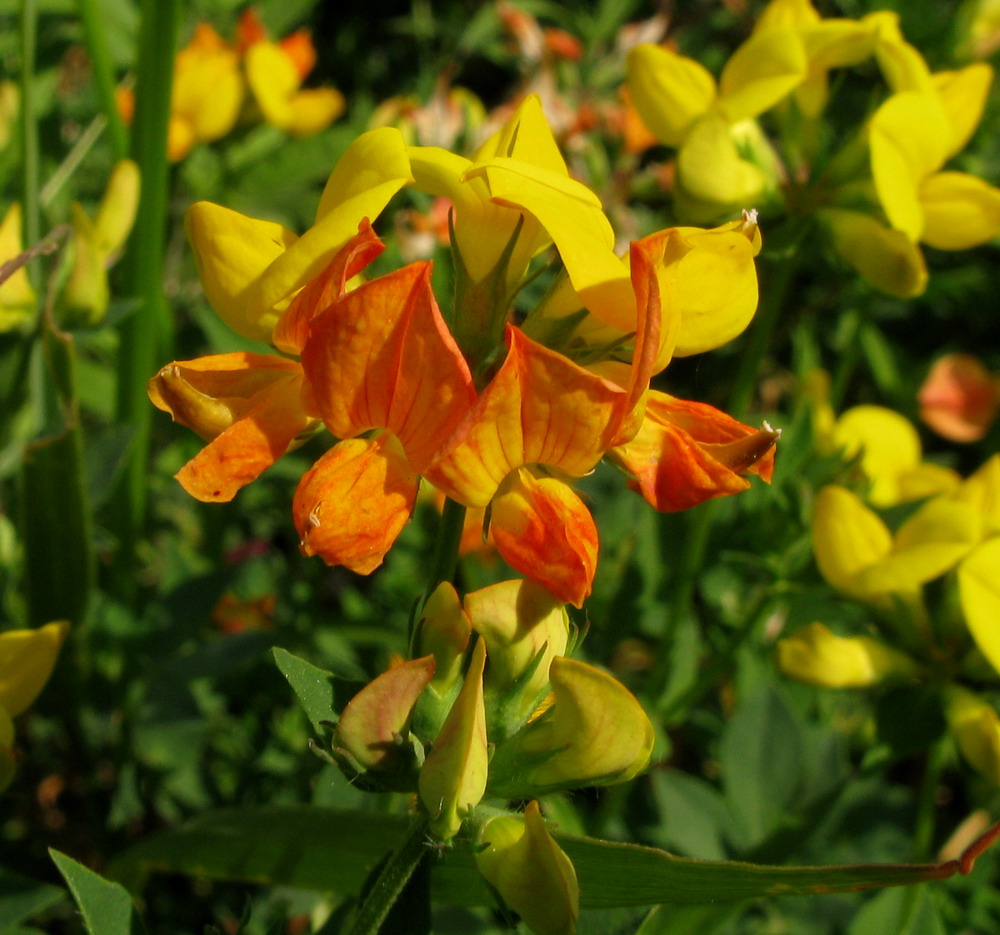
(449, 537)
(144, 334)
(104, 79)
(391, 880)
(29, 126)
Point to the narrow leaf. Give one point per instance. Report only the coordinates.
(21, 898)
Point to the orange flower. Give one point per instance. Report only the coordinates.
(543, 418)
(381, 361)
(688, 452)
(959, 398)
(252, 408)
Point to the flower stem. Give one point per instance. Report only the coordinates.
(449, 537)
(104, 79)
(29, 125)
(391, 880)
(923, 833)
(145, 333)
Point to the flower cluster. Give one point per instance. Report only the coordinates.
(881, 194)
(495, 707)
(930, 584)
(493, 414)
(273, 72)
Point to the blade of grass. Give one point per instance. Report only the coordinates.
(145, 335)
(104, 79)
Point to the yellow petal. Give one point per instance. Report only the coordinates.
(314, 109)
(887, 258)
(762, 71)
(817, 656)
(782, 14)
(848, 538)
(27, 658)
(231, 252)
(711, 170)
(453, 777)
(902, 65)
(837, 43)
(526, 137)
(17, 298)
(960, 211)
(373, 168)
(888, 443)
(116, 213)
(519, 858)
(669, 91)
(273, 80)
(928, 544)
(982, 492)
(207, 89)
(963, 94)
(909, 137)
(979, 588)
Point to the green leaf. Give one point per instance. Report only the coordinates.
(333, 851)
(106, 907)
(902, 912)
(322, 694)
(21, 898)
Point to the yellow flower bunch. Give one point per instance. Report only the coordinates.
(877, 198)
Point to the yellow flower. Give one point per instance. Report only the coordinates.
(889, 453)
(519, 858)
(911, 137)
(858, 555)
(682, 105)
(95, 245)
(979, 591)
(207, 93)
(275, 72)
(817, 656)
(17, 298)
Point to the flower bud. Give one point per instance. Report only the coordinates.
(444, 633)
(593, 733)
(453, 777)
(519, 858)
(373, 733)
(817, 656)
(524, 628)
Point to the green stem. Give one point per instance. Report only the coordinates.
(391, 880)
(445, 559)
(144, 334)
(847, 357)
(104, 79)
(29, 125)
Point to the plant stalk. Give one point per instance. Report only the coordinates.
(391, 880)
(444, 561)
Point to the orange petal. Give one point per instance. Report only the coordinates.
(292, 329)
(539, 408)
(687, 452)
(382, 357)
(543, 530)
(249, 30)
(300, 50)
(247, 406)
(352, 504)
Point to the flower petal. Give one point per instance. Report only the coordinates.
(688, 452)
(231, 251)
(382, 357)
(963, 95)
(543, 530)
(979, 589)
(352, 504)
(27, 658)
(247, 406)
(762, 71)
(539, 408)
(959, 398)
(713, 173)
(848, 538)
(887, 258)
(960, 211)
(669, 91)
